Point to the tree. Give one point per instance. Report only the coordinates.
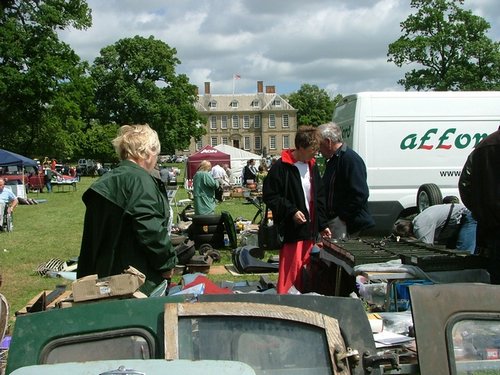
(314, 106)
(35, 69)
(450, 45)
(136, 83)
(66, 120)
(97, 142)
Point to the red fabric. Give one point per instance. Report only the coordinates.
(293, 256)
(287, 157)
(210, 287)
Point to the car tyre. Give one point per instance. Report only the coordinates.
(428, 195)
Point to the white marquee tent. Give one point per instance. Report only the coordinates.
(238, 160)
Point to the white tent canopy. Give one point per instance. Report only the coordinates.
(239, 159)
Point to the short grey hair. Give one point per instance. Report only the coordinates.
(331, 131)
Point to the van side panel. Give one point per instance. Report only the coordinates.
(412, 138)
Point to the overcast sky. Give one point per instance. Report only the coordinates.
(339, 45)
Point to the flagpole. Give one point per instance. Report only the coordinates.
(233, 83)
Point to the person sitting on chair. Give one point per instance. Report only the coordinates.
(8, 201)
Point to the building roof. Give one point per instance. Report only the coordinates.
(246, 102)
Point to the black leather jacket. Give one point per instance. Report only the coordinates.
(479, 183)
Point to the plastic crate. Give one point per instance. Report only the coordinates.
(400, 294)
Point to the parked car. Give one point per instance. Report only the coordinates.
(270, 333)
(13, 174)
(456, 327)
(86, 167)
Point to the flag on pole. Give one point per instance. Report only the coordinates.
(235, 77)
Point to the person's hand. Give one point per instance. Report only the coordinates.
(299, 217)
(326, 233)
(9, 209)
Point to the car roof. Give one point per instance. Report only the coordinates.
(140, 366)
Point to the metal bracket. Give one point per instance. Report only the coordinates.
(350, 357)
(374, 361)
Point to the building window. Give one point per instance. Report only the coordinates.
(276, 103)
(225, 140)
(258, 142)
(235, 122)
(286, 141)
(285, 122)
(255, 103)
(272, 121)
(223, 122)
(212, 104)
(272, 142)
(234, 103)
(246, 122)
(246, 143)
(256, 121)
(213, 141)
(199, 145)
(213, 122)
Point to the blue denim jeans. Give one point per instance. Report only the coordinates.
(467, 235)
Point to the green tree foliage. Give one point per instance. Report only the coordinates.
(314, 106)
(97, 142)
(136, 83)
(66, 119)
(449, 46)
(40, 76)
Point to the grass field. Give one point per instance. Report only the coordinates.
(53, 230)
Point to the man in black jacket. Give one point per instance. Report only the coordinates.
(479, 187)
(346, 189)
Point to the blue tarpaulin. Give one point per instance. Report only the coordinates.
(11, 158)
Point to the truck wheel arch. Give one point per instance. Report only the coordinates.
(428, 195)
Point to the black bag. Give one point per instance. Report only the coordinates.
(270, 236)
(449, 233)
(219, 193)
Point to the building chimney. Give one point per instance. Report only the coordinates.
(260, 87)
(270, 90)
(207, 88)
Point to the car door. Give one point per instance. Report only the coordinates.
(457, 328)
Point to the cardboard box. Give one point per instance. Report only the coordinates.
(92, 288)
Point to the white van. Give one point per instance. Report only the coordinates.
(414, 144)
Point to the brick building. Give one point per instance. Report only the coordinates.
(263, 123)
